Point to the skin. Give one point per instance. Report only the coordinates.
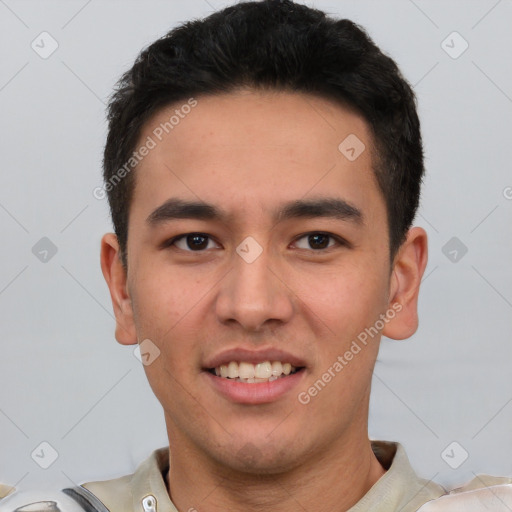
(248, 152)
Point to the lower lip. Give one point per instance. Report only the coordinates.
(254, 393)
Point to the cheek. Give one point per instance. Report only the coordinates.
(345, 300)
(163, 301)
(166, 312)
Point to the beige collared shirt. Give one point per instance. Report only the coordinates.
(398, 490)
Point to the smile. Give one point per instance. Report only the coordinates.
(249, 373)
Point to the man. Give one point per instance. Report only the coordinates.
(263, 168)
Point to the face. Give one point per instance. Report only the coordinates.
(255, 243)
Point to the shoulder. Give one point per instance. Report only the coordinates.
(128, 492)
(115, 494)
(484, 492)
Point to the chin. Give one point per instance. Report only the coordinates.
(261, 457)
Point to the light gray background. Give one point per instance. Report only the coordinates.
(63, 377)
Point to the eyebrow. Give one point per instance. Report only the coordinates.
(335, 208)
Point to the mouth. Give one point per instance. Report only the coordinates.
(252, 377)
(249, 373)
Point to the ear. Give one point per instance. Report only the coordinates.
(116, 277)
(408, 268)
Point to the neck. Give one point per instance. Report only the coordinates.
(341, 477)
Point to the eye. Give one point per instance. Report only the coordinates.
(199, 242)
(318, 241)
(191, 242)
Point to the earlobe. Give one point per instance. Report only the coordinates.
(116, 277)
(408, 269)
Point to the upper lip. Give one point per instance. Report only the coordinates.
(253, 356)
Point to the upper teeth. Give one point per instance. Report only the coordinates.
(243, 370)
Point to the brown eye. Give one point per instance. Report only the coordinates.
(318, 241)
(191, 242)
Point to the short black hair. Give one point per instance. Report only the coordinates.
(279, 45)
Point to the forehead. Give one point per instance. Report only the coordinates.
(253, 150)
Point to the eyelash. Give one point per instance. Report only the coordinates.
(340, 241)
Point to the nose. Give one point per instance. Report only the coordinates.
(254, 294)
